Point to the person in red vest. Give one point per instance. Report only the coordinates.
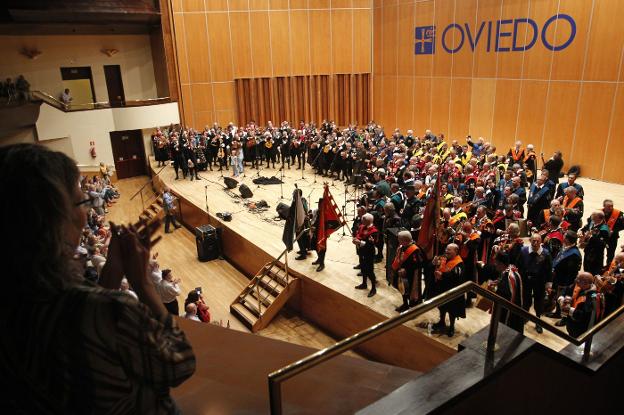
(406, 267)
(615, 222)
(449, 274)
(366, 239)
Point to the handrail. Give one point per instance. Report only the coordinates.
(277, 377)
(148, 182)
(96, 105)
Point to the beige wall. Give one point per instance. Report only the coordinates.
(43, 73)
(570, 100)
(82, 127)
(218, 41)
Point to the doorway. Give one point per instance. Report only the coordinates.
(79, 81)
(114, 85)
(128, 153)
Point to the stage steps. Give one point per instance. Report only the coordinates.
(265, 296)
(154, 210)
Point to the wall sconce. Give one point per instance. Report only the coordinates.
(30, 53)
(109, 52)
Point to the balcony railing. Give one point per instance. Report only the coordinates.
(276, 378)
(49, 99)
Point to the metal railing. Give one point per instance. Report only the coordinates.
(96, 105)
(140, 191)
(276, 378)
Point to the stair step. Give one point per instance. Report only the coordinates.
(271, 285)
(246, 317)
(149, 213)
(144, 217)
(251, 304)
(267, 297)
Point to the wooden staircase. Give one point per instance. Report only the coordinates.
(265, 296)
(154, 210)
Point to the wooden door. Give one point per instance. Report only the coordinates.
(129, 153)
(114, 85)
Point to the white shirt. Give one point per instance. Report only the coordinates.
(156, 277)
(168, 291)
(192, 316)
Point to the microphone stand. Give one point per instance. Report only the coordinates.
(281, 182)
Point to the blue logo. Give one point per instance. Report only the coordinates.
(425, 40)
(508, 35)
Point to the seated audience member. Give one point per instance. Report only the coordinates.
(89, 348)
(191, 312)
(125, 288)
(196, 298)
(169, 290)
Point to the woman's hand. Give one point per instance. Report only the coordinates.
(113, 272)
(136, 242)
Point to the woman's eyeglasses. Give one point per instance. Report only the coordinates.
(85, 203)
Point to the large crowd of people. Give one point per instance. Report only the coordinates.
(489, 200)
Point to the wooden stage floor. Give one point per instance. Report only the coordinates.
(264, 231)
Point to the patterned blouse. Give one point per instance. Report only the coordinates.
(89, 350)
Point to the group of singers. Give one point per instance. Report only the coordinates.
(489, 201)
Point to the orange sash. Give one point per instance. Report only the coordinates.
(573, 203)
(448, 265)
(576, 298)
(516, 154)
(399, 260)
(546, 215)
(613, 218)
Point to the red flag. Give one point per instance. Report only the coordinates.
(329, 219)
(427, 235)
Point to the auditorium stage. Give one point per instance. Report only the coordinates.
(251, 239)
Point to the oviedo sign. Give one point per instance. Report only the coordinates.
(508, 35)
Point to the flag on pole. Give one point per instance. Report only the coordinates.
(427, 235)
(329, 219)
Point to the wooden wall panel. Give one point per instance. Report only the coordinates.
(613, 168)
(224, 96)
(320, 41)
(592, 129)
(261, 44)
(339, 4)
(505, 113)
(203, 119)
(180, 45)
(538, 59)
(193, 5)
(443, 16)
(389, 41)
(405, 44)
(405, 106)
(280, 43)
(569, 65)
(278, 4)
(199, 65)
(463, 59)
(241, 45)
(510, 63)
(605, 41)
(377, 45)
(342, 41)
(532, 112)
(300, 42)
(422, 105)
(459, 122)
(424, 17)
(362, 41)
(187, 104)
(238, 5)
(441, 92)
(560, 118)
(202, 97)
(259, 4)
(216, 5)
(389, 102)
(220, 51)
(482, 107)
(485, 59)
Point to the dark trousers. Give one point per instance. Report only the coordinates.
(172, 307)
(367, 267)
(304, 243)
(321, 257)
(170, 218)
(534, 292)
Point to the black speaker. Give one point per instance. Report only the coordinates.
(207, 240)
(230, 183)
(245, 191)
(282, 210)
